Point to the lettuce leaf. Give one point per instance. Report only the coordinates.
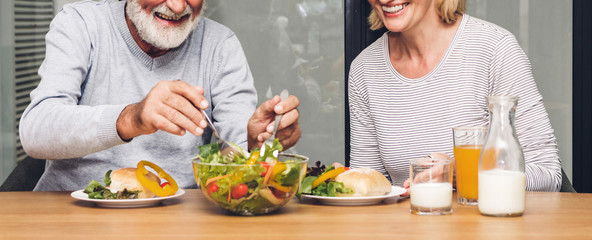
(206, 150)
(330, 189)
(306, 185)
(288, 177)
(107, 179)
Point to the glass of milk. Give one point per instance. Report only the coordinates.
(431, 186)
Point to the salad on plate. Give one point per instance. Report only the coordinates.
(340, 181)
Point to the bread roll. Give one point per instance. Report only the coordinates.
(364, 182)
(125, 178)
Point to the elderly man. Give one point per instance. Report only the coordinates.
(126, 81)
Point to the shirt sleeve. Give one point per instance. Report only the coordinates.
(54, 126)
(511, 74)
(233, 94)
(365, 151)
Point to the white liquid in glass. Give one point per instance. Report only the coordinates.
(431, 195)
(501, 192)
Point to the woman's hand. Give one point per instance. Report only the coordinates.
(406, 185)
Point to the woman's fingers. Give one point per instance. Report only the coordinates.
(406, 185)
(433, 174)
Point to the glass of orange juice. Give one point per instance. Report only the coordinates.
(468, 142)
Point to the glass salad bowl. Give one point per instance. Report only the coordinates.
(258, 186)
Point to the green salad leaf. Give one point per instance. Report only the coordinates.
(330, 189)
(289, 177)
(94, 186)
(209, 149)
(306, 185)
(107, 179)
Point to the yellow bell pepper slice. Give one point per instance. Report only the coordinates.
(253, 158)
(167, 190)
(277, 169)
(279, 187)
(326, 176)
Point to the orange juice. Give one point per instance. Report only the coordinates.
(467, 166)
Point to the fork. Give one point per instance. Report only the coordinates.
(225, 148)
(283, 95)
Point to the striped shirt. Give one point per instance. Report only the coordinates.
(394, 119)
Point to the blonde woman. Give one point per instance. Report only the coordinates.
(430, 72)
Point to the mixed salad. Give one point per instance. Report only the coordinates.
(248, 183)
(96, 190)
(320, 181)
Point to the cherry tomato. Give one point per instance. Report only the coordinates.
(240, 191)
(346, 168)
(212, 188)
(266, 166)
(164, 184)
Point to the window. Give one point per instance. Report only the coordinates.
(297, 45)
(544, 31)
(22, 53)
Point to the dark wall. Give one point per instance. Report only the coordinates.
(582, 97)
(357, 36)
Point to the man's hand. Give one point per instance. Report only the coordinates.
(260, 126)
(170, 106)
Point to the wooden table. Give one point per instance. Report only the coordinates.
(56, 215)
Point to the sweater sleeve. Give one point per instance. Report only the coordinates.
(365, 151)
(233, 95)
(54, 126)
(511, 74)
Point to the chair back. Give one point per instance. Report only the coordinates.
(25, 176)
(565, 183)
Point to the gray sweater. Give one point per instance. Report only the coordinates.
(93, 69)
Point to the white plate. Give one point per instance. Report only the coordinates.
(124, 203)
(353, 201)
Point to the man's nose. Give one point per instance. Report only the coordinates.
(177, 6)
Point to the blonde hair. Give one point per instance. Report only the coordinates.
(448, 10)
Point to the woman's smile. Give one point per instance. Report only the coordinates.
(393, 10)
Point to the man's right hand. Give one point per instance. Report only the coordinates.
(170, 106)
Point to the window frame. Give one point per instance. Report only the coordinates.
(582, 95)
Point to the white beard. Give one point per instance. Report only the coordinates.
(156, 34)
